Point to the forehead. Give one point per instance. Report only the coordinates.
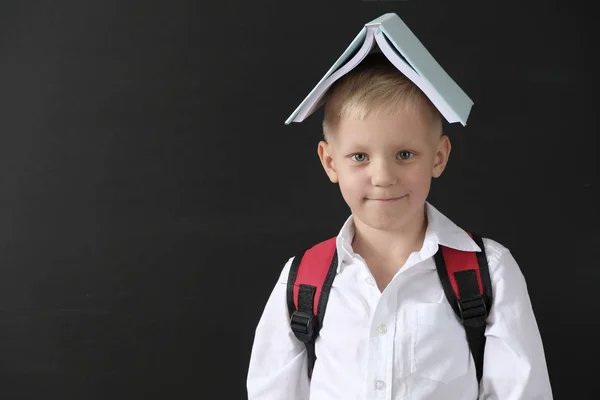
(403, 127)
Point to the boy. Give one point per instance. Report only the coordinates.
(389, 332)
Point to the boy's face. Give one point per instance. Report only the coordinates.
(384, 165)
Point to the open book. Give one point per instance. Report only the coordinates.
(390, 35)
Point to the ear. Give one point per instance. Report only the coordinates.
(326, 158)
(441, 156)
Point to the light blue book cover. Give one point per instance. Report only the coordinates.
(403, 48)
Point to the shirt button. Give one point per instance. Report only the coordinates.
(379, 385)
(370, 281)
(382, 328)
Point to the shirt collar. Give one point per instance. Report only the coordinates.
(440, 231)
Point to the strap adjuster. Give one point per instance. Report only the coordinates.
(303, 325)
(473, 311)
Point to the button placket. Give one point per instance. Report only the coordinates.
(381, 347)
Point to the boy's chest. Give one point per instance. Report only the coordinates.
(408, 332)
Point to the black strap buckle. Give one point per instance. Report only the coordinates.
(473, 311)
(303, 325)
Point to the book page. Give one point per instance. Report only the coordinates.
(315, 99)
(403, 66)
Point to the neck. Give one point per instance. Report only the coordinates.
(390, 245)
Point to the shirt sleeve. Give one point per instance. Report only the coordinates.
(514, 366)
(278, 362)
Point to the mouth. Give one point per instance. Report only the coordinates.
(388, 200)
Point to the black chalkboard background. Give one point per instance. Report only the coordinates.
(150, 192)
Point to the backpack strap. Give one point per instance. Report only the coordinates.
(466, 281)
(309, 282)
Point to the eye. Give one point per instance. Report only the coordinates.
(405, 155)
(359, 157)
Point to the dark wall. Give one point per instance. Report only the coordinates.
(150, 192)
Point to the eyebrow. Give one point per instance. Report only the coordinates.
(364, 146)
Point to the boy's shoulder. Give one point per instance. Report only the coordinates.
(494, 250)
(501, 263)
(285, 271)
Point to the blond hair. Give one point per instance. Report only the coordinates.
(374, 83)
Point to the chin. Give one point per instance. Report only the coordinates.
(385, 222)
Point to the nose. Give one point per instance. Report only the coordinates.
(382, 173)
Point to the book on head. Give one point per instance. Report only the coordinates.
(391, 36)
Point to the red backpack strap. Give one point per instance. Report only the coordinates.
(466, 281)
(309, 282)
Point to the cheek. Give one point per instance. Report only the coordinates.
(415, 179)
(351, 187)
(417, 174)
(419, 181)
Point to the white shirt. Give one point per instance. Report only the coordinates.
(404, 342)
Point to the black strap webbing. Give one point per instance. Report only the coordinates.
(306, 296)
(304, 323)
(473, 314)
(473, 308)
